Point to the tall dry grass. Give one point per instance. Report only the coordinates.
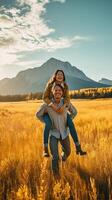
(26, 175)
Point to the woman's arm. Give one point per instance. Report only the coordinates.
(66, 95)
(47, 93)
(47, 97)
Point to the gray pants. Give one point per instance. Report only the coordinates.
(55, 154)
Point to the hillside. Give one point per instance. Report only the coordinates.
(34, 80)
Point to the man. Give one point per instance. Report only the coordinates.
(59, 131)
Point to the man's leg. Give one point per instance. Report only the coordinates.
(66, 148)
(55, 154)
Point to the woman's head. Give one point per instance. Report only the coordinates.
(59, 76)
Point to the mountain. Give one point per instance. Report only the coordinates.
(105, 81)
(34, 80)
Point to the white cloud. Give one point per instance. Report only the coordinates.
(25, 30)
(50, 44)
(11, 65)
(28, 32)
(31, 64)
(61, 1)
(53, 44)
(7, 58)
(5, 22)
(80, 38)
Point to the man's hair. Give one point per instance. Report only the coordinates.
(57, 84)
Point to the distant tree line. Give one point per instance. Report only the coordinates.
(21, 97)
(89, 93)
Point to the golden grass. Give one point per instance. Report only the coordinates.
(25, 175)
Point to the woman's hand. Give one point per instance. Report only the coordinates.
(54, 107)
(61, 110)
(58, 110)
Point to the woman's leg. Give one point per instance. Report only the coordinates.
(72, 129)
(47, 128)
(74, 135)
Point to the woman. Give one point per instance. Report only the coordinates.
(58, 77)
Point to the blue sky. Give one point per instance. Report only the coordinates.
(77, 31)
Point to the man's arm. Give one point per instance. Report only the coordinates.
(41, 111)
(72, 110)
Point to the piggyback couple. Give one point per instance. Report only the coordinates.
(57, 113)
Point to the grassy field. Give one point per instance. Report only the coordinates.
(26, 175)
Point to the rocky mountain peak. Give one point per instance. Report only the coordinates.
(35, 79)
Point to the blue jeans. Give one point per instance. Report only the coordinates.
(48, 125)
(72, 129)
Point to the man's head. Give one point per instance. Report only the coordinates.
(57, 92)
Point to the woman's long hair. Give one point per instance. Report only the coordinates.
(53, 78)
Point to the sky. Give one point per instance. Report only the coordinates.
(77, 31)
